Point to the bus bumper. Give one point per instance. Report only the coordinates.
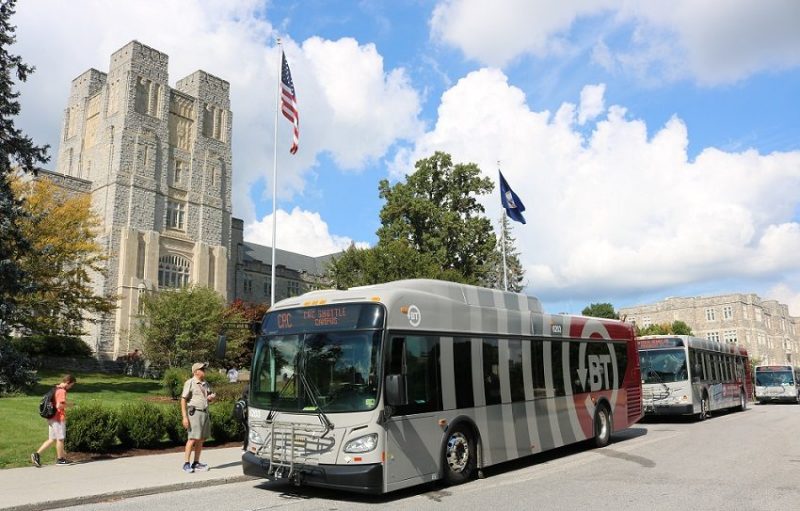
(355, 478)
(651, 409)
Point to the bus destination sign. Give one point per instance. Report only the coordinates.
(663, 342)
(323, 318)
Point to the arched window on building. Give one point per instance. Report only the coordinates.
(173, 271)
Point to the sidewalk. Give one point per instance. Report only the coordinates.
(96, 481)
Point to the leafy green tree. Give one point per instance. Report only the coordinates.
(62, 231)
(16, 150)
(600, 310)
(182, 326)
(678, 327)
(241, 324)
(515, 272)
(436, 212)
(432, 226)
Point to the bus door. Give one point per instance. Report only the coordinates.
(413, 438)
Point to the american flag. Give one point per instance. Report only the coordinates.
(289, 102)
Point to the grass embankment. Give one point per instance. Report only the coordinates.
(22, 431)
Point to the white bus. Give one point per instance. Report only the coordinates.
(382, 387)
(683, 375)
(777, 383)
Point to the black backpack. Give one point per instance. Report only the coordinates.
(47, 406)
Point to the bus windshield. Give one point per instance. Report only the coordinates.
(340, 371)
(663, 366)
(774, 378)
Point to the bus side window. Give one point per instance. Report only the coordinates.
(537, 370)
(417, 357)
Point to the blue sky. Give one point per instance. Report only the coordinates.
(657, 147)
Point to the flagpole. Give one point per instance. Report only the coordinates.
(503, 237)
(275, 176)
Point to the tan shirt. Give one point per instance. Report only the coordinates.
(195, 392)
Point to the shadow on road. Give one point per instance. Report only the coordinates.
(437, 491)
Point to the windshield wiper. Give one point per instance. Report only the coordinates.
(323, 417)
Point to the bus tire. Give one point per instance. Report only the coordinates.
(602, 426)
(742, 401)
(703, 415)
(459, 458)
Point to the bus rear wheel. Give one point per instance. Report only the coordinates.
(602, 426)
(459, 456)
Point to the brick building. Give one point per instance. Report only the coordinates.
(157, 163)
(764, 327)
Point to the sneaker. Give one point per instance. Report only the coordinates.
(36, 460)
(187, 468)
(63, 462)
(199, 467)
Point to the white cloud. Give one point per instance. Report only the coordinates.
(300, 231)
(783, 293)
(339, 83)
(592, 102)
(619, 210)
(711, 42)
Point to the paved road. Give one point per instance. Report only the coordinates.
(738, 461)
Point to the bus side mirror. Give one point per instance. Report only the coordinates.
(396, 390)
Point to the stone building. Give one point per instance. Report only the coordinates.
(157, 163)
(764, 327)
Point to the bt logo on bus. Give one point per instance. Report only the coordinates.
(597, 372)
(414, 315)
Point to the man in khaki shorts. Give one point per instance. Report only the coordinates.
(194, 407)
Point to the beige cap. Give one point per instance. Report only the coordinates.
(199, 365)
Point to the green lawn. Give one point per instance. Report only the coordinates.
(22, 431)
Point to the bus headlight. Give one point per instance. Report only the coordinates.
(255, 438)
(364, 443)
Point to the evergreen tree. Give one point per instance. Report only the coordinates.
(515, 273)
(16, 150)
(600, 310)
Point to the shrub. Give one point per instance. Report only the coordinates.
(224, 427)
(92, 427)
(173, 380)
(215, 378)
(53, 346)
(229, 391)
(16, 370)
(173, 421)
(141, 424)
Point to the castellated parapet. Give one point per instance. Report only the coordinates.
(159, 163)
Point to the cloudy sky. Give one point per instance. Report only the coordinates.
(656, 145)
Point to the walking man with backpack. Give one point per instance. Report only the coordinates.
(57, 424)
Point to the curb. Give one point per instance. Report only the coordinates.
(124, 494)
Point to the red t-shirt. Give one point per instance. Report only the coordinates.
(60, 398)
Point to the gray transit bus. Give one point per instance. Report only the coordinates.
(777, 382)
(684, 375)
(378, 388)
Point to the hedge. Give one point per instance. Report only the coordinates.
(91, 427)
(141, 424)
(52, 346)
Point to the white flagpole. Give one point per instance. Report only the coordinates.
(275, 176)
(503, 236)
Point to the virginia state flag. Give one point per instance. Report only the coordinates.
(510, 201)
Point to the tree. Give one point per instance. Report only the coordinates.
(16, 150)
(241, 324)
(61, 229)
(432, 226)
(436, 212)
(181, 326)
(600, 310)
(676, 328)
(515, 272)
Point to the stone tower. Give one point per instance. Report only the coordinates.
(159, 162)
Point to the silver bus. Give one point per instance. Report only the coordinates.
(777, 383)
(378, 388)
(683, 375)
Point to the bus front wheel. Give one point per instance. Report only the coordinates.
(742, 401)
(602, 427)
(703, 408)
(459, 456)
